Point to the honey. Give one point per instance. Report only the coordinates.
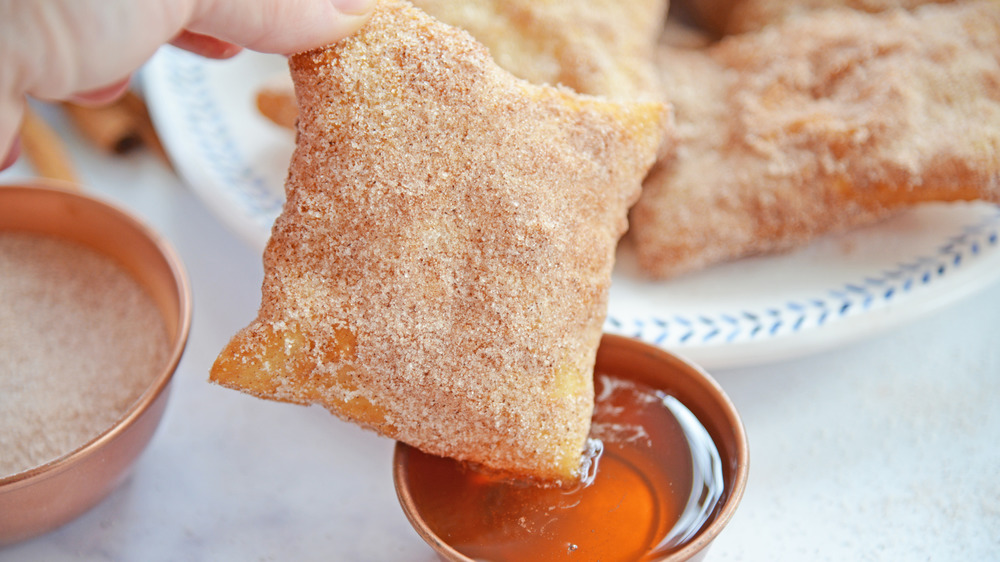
(654, 478)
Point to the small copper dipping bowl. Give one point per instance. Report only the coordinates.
(632, 359)
(45, 497)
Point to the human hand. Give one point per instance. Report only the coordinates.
(86, 50)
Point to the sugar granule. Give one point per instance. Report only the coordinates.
(80, 340)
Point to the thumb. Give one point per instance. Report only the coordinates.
(53, 49)
(279, 26)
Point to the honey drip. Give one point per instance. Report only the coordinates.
(653, 479)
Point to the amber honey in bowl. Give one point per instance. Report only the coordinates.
(655, 479)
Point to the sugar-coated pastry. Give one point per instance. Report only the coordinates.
(821, 123)
(602, 47)
(599, 47)
(440, 270)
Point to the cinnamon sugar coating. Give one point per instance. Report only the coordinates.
(822, 123)
(440, 269)
(598, 47)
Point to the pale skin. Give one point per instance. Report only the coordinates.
(86, 50)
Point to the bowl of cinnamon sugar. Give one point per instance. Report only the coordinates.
(665, 470)
(95, 310)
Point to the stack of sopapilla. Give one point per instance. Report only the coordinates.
(441, 267)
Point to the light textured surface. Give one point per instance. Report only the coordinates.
(881, 450)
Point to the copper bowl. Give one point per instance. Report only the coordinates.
(632, 359)
(45, 497)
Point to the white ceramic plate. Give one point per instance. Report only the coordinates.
(748, 312)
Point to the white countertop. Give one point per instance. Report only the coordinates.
(884, 449)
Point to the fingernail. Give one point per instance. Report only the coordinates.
(354, 7)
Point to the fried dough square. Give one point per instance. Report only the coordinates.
(598, 47)
(440, 270)
(822, 123)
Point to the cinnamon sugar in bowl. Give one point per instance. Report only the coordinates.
(95, 311)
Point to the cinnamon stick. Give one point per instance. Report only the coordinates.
(110, 127)
(144, 124)
(118, 127)
(44, 149)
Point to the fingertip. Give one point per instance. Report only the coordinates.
(362, 8)
(282, 26)
(344, 26)
(323, 28)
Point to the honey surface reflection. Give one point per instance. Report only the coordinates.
(655, 483)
